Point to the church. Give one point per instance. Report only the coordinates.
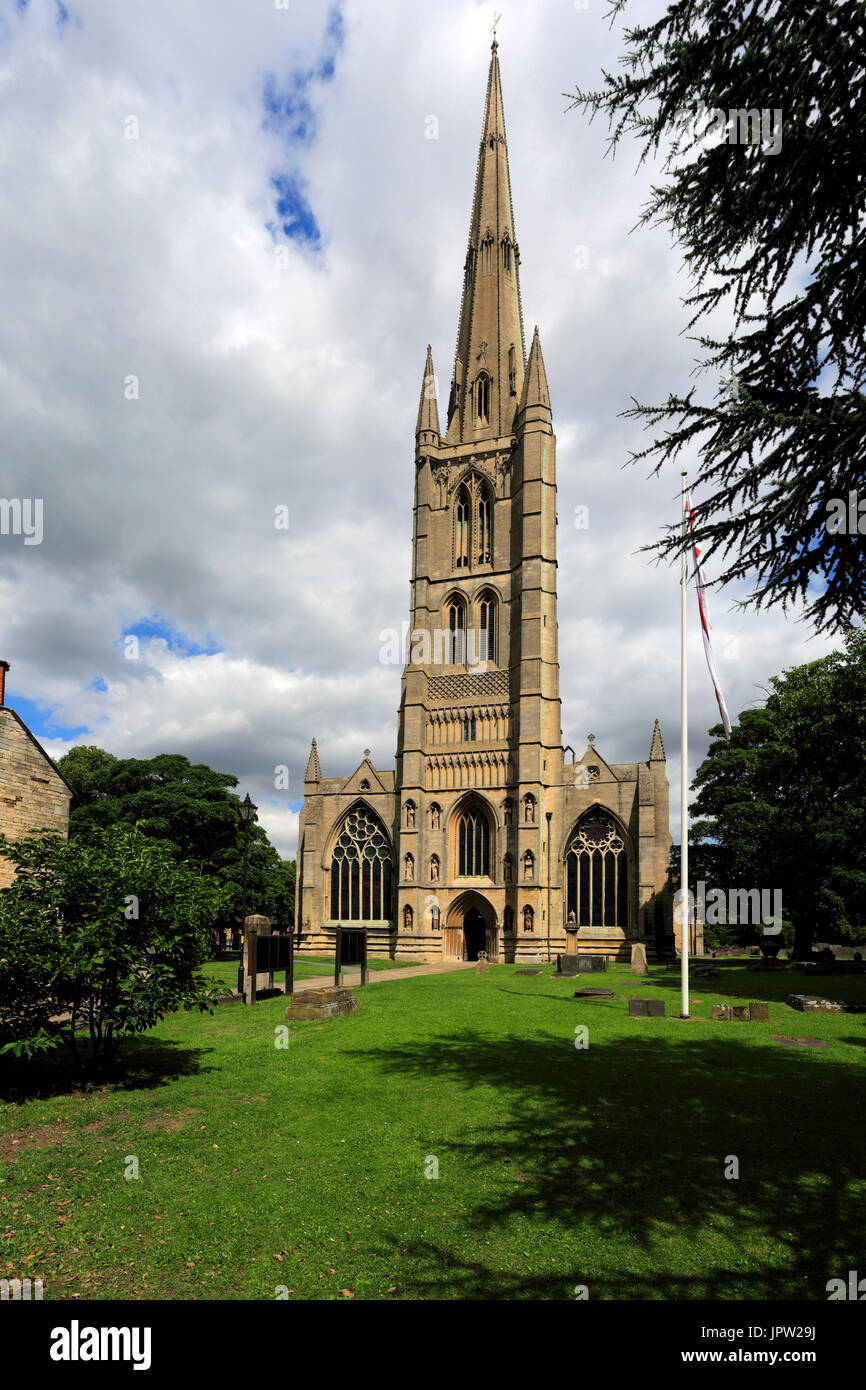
(485, 835)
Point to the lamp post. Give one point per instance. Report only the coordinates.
(248, 813)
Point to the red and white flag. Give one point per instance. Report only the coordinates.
(705, 623)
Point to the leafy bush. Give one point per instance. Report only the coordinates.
(108, 931)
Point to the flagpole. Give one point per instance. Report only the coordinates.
(685, 913)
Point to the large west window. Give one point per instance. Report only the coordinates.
(361, 869)
(473, 844)
(596, 873)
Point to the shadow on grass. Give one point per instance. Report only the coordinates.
(143, 1064)
(628, 1141)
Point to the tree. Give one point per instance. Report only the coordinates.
(109, 931)
(190, 809)
(784, 800)
(770, 220)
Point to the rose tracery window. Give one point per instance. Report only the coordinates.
(361, 869)
(596, 873)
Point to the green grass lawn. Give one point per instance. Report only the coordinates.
(304, 1167)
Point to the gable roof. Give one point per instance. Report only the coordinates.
(7, 709)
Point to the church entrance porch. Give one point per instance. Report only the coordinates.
(471, 928)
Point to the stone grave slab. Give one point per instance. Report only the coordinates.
(593, 994)
(798, 1042)
(567, 965)
(646, 1008)
(322, 1003)
(759, 1012)
(527, 972)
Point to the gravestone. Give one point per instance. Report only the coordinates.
(798, 1042)
(638, 958)
(646, 1008)
(482, 965)
(322, 1003)
(759, 1012)
(567, 965)
(739, 1013)
(587, 964)
(706, 972)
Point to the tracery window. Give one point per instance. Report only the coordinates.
(469, 728)
(596, 873)
(473, 844)
(462, 513)
(456, 633)
(361, 869)
(482, 399)
(487, 627)
(483, 533)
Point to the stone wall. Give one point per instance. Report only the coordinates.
(33, 795)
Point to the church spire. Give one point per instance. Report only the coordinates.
(313, 772)
(428, 406)
(535, 390)
(657, 750)
(489, 361)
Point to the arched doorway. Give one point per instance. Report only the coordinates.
(474, 934)
(471, 927)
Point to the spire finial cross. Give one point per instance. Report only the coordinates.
(496, 19)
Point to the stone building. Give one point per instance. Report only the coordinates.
(485, 835)
(33, 795)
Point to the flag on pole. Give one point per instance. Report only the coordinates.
(700, 586)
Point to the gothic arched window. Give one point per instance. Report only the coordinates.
(469, 728)
(361, 869)
(484, 529)
(456, 632)
(487, 627)
(596, 872)
(512, 371)
(506, 255)
(473, 844)
(487, 255)
(528, 918)
(462, 515)
(482, 399)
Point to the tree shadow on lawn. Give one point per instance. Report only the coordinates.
(144, 1064)
(628, 1140)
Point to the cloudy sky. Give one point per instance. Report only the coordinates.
(226, 237)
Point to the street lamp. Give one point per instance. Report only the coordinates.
(248, 813)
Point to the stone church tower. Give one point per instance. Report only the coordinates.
(485, 837)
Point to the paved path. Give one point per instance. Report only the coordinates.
(352, 974)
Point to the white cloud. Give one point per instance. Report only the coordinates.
(262, 385)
